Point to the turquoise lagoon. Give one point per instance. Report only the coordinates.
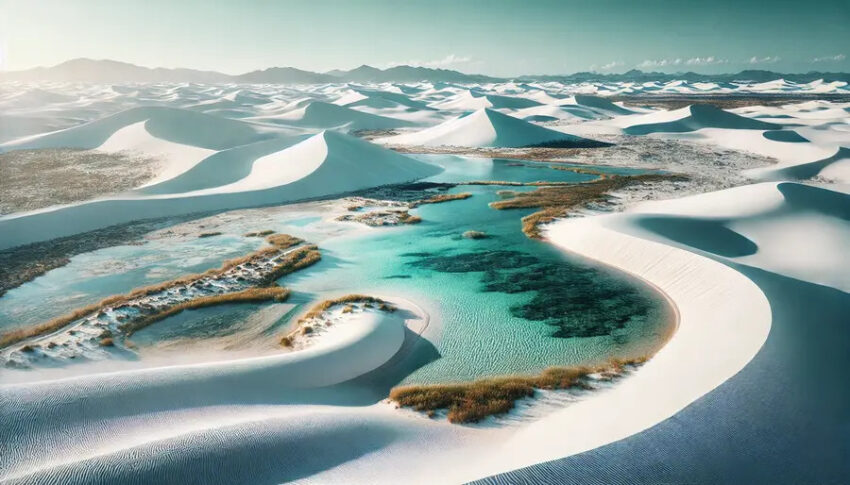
(500, 305)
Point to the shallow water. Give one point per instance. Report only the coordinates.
(503, 304)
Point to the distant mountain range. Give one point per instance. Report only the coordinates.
(106, 71)
(636, 75)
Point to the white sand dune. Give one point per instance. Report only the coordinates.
(14, 126)
(600, 104)
(376, 99)
(170, 124)
(326, 164)
(322, 115)
(550, 113)
(693, 118)
(221, 168)
(487, 128)
(359, 346)
(824, 157)
(174, 157)
(470, 101)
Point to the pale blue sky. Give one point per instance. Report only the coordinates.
(498, 37)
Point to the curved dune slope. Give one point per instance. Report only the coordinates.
(175, 158)
(318, 114)
(836, 167)
(326, 164)
(221, 168)
(548, 112)
(383, 99)
(148, 404)
(488, 128)
(601, 104)
(171, 124)
(695, 117)
(469, 100)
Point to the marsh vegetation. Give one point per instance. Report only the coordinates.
(470, 402)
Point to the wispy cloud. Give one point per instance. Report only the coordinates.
(835, 58)
(607, 67)
(705, 61)
(660, 62)
(764, 60)
(448, 61)
(693, 61)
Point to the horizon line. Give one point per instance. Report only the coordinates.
(634, 69)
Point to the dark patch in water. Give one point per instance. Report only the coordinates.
(478, 261)
(579, 301)
(398, 277)
(415, 255)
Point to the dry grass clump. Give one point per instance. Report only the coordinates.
(322, 307)
(473, 401)
(209, 234)
(282, 241)
(297, 259)
(557, 201)
(407, 218)
(52, 325)
(258, 233)
(436, 199)
(276, 293)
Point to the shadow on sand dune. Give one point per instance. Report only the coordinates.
(275, 453)
(707, 235)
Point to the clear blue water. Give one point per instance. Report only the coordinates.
(504, 304)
